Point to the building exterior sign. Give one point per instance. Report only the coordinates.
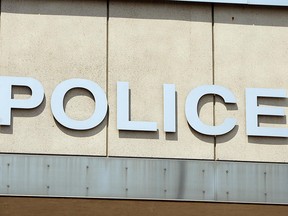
(123, 108)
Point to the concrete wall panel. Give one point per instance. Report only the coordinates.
(53, 41)
(151, 44)
(251, 51)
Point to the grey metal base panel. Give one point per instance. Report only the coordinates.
(131, 178)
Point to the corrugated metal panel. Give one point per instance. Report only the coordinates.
(248, 2)
(163, 179)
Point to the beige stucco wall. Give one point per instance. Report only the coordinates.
(53, 41)
(146, 44)
(149, 45)
(251, 51)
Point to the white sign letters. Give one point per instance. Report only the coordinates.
(7, 103)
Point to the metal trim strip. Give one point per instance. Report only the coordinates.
(248, 2)
(138, 178)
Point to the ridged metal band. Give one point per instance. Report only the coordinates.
(131, 178)
(248, 2)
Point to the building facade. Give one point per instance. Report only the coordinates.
(196, 97)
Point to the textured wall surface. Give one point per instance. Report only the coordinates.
(149, 45)
(146, 44)
(52, 41)
(251, 51)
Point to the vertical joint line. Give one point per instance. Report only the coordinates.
(213, 74)
(213, 46)
(107, 69)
